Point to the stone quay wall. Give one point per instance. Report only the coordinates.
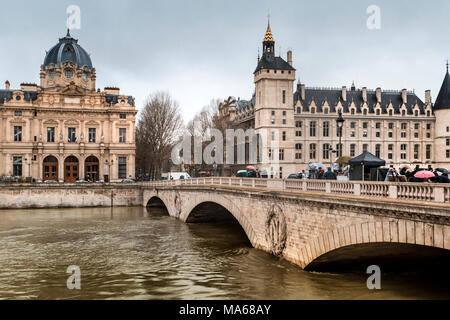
(26, 196)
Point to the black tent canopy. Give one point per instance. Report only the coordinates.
(368, 160)
(364, 164)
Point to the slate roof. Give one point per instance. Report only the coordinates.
(245, 105)
(68, 50)
(333, 96)
(7, 95)
(269, 61)
(443, 98)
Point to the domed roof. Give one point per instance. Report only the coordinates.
(68, 50)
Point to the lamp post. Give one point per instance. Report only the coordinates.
(340, 123)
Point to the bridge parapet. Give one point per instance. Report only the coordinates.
(420, 192)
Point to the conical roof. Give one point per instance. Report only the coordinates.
(268, 37)
(443, 98)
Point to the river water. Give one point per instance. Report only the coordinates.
(133, 253)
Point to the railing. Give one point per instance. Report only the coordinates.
(420, 192)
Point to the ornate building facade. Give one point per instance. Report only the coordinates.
(298, 125)
(64, 129)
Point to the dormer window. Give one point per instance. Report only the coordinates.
(85, 76)
(68, 73)
(313, 110)
(51, 75)
(403, 112)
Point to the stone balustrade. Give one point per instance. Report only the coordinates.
(421, 192)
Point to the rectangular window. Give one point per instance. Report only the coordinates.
(326, 129)
(273, 113)
(447, 153)
(271, 154)
(284, 135)
(298, 124)
(92, 135)
(123, 116)
(17, 166)
(378, 134)
(390, 134)
(353, 125)
(390, 156)
(378, 150)
(428, 152)
(50, 134)
(416, 126)
(365, 125)
(352, 134)
(72, 135)
(284, 96)
(298, 133)
(273, 135)
(403, 156)
(312, 129)
(281, 154)
(403, 147)
(122, 167)
(416, 151)
(326, 151)
(403, 134)
(18, 113)
(352, 150)
(378, 125)
(404, 125)
(284, 113)
(447, 142)
(391, 125)
(390, 147)
(122, 135)
(365, 147)
(416, 135)
(17, 133)
(428, 126)
(312, 151)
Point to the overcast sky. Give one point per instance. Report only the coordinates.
(204, 49)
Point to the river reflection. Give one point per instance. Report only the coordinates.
(130, 253)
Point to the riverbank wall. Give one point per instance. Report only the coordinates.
(26, 196)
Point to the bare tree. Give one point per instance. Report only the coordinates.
(159, 125)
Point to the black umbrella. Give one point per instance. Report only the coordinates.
(443, 170)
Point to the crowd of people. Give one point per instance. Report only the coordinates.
(439, 175)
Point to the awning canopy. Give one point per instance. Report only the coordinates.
(367, 159)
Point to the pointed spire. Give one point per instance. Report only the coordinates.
(68, 33)
(447, 65)
(268, 37)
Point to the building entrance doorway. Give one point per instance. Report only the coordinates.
(91, 169)
(71, 169)
(50, 169)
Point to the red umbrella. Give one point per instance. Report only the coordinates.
(251, 168)
(424, 174)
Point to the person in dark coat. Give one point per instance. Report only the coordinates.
(329, 175)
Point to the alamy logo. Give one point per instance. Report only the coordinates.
(74, 281)
(374, 281)
(374, 19)
(73, 17)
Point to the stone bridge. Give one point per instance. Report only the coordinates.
(315, 224)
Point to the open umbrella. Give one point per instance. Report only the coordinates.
(315, 166)
(343, 160)
(424, 174)
(251, 168)
(443, 170)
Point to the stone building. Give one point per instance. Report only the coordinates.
(297, 124)
(65, 129)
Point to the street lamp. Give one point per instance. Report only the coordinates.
(340, 123)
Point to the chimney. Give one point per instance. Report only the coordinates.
(289, 57)
(378, 93)
(364, 94)
(404, 95)
(428, 97)
(7, 85)
(302, 91)
(344, 93)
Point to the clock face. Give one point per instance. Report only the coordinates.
(85, 76)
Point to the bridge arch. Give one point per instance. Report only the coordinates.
(222, 202)
(374, 241)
